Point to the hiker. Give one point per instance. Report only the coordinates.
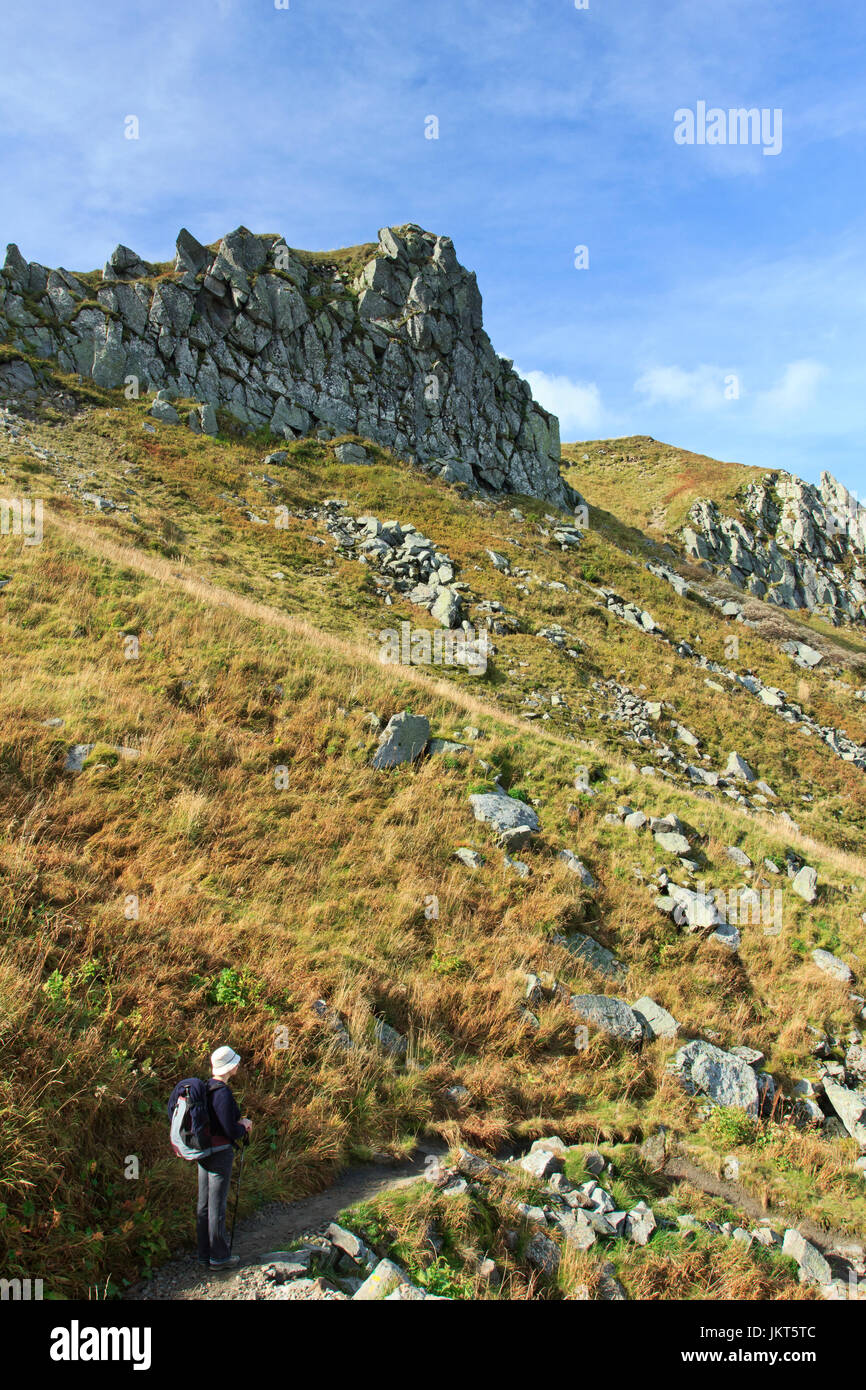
(215, 1170)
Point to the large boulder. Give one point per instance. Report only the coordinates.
(738, 767)
(672, 842)
(655, 1021)
(165, 411)
(813, 1268)
(505, 814)
(721, 1076)
(805, 884)
(403, 739)
(832, 965)
(610, 1015)
(385, 1278)
(850, 1106)
(697, 911)
(446, 608)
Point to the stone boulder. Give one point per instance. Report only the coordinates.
(724, 1078)
(813, 1268)
(805, 884)
(403, 740)
(672, 842)
(385, 1278)
(610, 1015)
(593, 954)
(738, 767)
(832, 965)
(505, 815)
(655, 1021)
(850, 1106)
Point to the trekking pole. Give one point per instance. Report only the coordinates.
(237, 1196)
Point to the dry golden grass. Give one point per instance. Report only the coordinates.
(319, 890)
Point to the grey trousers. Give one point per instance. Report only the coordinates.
(214, 1180)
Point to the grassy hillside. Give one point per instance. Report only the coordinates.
(650, 485)
(257, 650)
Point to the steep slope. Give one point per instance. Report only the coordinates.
(198, 845)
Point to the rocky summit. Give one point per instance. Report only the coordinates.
(387, 342)
(796, 546)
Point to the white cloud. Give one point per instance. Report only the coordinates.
(794, 391)
(577, 403)
(703, 388)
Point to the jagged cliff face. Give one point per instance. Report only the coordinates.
(394, 350)
(798, 546)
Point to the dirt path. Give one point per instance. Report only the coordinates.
(179, 575)
(681, 1168)
(276, 1226)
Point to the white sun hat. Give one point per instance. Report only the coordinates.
(223, 1060)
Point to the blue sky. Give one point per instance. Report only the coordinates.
(556, 130)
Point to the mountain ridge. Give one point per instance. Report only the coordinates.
(392, 346)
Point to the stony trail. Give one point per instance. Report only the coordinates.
(276, 1226)
(683, 1169)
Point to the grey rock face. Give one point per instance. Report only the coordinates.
(792, 549)
(726, 1079)
(397, 354)
(124, 264)
(402, 741)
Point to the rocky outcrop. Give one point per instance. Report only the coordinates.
(392, 349)
(796, 546)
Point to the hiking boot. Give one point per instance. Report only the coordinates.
(228, 1263)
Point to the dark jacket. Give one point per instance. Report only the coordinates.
(225, 1126)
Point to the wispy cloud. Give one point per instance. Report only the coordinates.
(795, 391)
(701, 388)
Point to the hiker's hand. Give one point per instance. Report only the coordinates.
(247, 1124)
